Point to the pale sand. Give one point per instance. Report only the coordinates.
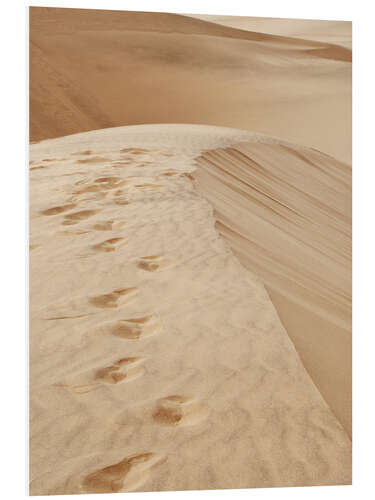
(157, 361)
(93, 69)
(286, 212)
(333, 32)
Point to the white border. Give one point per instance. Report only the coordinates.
(14, 202)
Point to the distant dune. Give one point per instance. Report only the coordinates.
(157, 361)
(333, 32)
(92, 69)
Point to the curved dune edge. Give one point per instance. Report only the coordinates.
(157, 362)
(332, 32)
(286, 214)
(81, 59)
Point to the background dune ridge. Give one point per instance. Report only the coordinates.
(83, 63)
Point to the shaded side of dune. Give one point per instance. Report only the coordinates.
(286, 213)
(93, 69)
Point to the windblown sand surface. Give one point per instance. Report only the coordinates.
(333, 32)
(286, 213)
(93, 69)
(157, 360)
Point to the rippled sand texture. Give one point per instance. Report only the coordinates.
(92, 69)
(157, 361)
(286, 213)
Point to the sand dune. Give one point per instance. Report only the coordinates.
(286, 213)
(179, 69)
(157, 361)
(333, 32)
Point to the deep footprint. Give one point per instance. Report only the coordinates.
(151, 263)
(109, 300)
(124, 369)
(109, 225)
(107, 245)
(178, 410)
(126, 475)
(58, 210)
(134, 328)
(104, 226)
(76, 217)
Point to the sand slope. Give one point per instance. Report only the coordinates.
(93, 69)
(286, 212)
(333, 32)
(157, 362)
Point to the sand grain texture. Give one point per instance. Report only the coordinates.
(157, 360)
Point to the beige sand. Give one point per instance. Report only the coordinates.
(286, 212)
(92, 69)
(333, 32)
(157, 361)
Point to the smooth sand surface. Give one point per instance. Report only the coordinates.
(334, 32)
(157, 360)
(93, 69)
(285, 210)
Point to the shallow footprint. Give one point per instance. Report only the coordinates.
(134, 328)
(109, 225)
(152, 263)
(122, 201)
(135, 151)
(58, 210)
(124, 369)
(110, 300)
(107, 245)
(110, 182)
(94, 159)
(104, 226)
(126, 475)
(178, 410)
(76, 217)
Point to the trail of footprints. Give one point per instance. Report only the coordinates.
(173, 410)
(99, 186)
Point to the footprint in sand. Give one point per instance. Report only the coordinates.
(110, 300)
(134, 151)
(58, 210)
(124, 369)
(178, 410)
(109, 225)
(76, 217)
(110, 182)
(104, 226)
(94, 159)
(122, 201)
(134, 328)
(107, 245)
(126, 475)
(79, 153)
(100, 184)
(152, 263)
